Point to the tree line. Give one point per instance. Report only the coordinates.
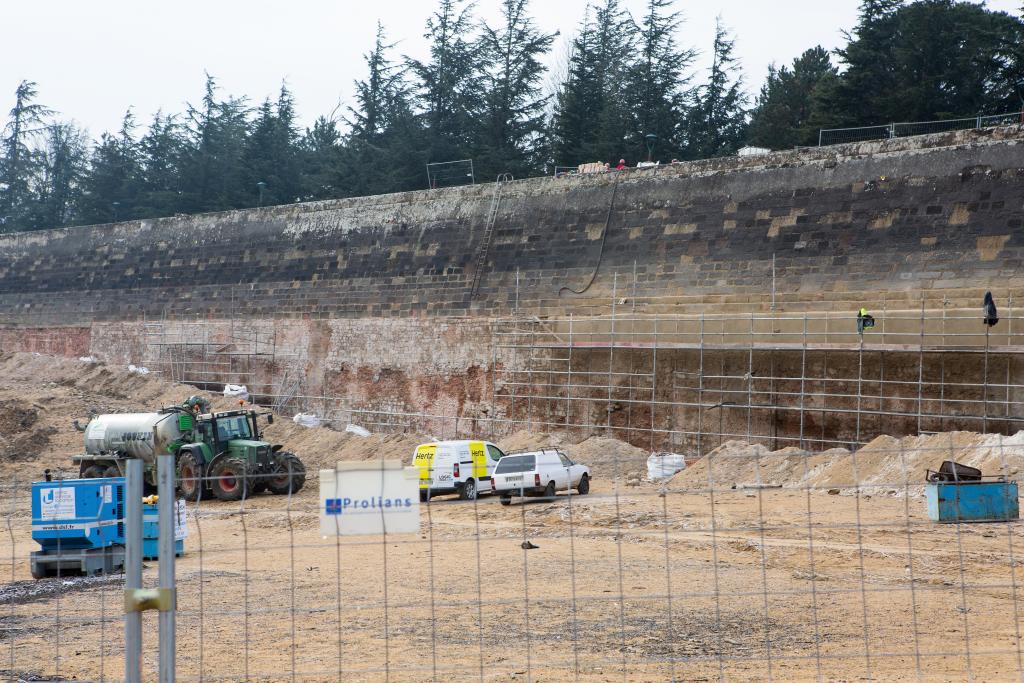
(627, 88)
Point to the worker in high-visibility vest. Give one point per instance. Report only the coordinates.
(865, 321)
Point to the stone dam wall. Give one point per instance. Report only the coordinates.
(371, 299)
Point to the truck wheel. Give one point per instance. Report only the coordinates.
(38, 571)
(584, 485)
(424, 496)
(506, 500)
(93, 471)
(190, 481)
(289, 475)
(468, 490)
(549, 490)
(227, 479)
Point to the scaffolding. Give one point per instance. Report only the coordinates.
(683, 382)
(209, 354)
(691, 382)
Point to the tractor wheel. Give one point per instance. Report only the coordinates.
(94, 471)
(289, 475)
(228, 480)
(190, 478)
(259, 483)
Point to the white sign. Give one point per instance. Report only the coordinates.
(369, 498)
(58, 503)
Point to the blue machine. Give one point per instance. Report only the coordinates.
(972, 501)
(79, 523)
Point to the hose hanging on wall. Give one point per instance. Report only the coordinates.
(604, 238)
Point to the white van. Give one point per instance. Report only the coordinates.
(463, 467)
(538, 473)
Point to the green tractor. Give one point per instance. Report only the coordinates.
(218, 454)
(223, 454)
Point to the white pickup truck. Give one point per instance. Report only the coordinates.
(538, 473)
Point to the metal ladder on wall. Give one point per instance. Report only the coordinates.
(485, 244)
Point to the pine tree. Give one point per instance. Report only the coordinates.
(213, 177)
(450, 81)
(591, 120)
(161, 156)
(656, 83)
(385, 149)
(321, 146)
(62, 161)
(112, 184)
(513, 122)
(785, 112)
(17, 161)
(271, 154)
(896, 69)
(716, 124)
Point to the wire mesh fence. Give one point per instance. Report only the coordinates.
(746, 565)
(836, 136)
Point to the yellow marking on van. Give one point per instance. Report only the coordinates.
(478, 454)
(425, 461)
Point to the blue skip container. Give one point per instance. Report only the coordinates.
(972, 501)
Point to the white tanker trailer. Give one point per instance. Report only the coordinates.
(218, 454)
(135, 435)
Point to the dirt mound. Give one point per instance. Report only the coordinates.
(884, 463)
(322, 447)
(21, 437)
(525, 439)
(737, 463)
(606, 457)
(609, 458)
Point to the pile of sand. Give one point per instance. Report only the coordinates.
(884, 463)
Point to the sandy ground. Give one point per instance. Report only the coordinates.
(625, 585)
(675, 581)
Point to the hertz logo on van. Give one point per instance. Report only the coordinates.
(337, 506)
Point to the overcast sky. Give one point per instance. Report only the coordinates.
(93, 59)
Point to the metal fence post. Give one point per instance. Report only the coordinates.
(133, 570)
(167, 518)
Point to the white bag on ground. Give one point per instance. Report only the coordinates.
(87, 359)
(664, 465)
(306, 420)
(138, 370)
(240, 391)
(357, 430)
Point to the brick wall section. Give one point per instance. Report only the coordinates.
(943, 212)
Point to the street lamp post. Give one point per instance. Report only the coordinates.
(261, 185)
